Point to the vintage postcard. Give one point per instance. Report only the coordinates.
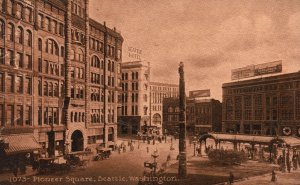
(149, 92)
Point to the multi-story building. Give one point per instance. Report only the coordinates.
(159, 91)
(134, 114)
(202, 115)
(263, 106)
(60, 74)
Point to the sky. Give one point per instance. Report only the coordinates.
(211, 37)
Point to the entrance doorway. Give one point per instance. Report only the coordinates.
(77, 141)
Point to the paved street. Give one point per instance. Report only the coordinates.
(122, 168)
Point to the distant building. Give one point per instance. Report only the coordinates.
(263, 106)
(134, 114)
(159, 91)
(202, 115)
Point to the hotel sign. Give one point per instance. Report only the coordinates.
(134, 53)
(256, 70)
(199, 93)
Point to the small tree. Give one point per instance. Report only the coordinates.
(226, 157)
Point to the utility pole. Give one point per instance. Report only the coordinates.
(182, 126)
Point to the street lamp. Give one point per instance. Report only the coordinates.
(155, 155)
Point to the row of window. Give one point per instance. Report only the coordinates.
(18, 60)
(11, 83)
(16, 9)
(50, 115)
(77, 72)
(77, 92)
(50, 25)
(17, 35)
(134, 76)
(51, 88)
(266, 88)
(77, 117)
(15, 115)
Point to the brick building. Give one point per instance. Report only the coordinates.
(202, 115)
(60, 74)
(159, 91)
(263, 106)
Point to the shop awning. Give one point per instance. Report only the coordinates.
(288, 140)
(20, 143)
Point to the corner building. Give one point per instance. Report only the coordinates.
(263, 106)
(60, 74)
(134, 114)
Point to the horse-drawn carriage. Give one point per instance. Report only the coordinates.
(102, 153)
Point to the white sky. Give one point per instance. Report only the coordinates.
(211, 37)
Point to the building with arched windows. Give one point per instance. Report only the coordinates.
(60, 75)
(159, 91)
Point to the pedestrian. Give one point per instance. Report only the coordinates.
(124, 148)
(295, 162)
(153, 141)
(147, 149)
(230, 178)
(119, 149)
(273, 179)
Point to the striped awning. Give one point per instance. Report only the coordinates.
(20, 143)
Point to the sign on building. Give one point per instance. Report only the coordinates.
(199, 93)
(134, 53)
(256, 70)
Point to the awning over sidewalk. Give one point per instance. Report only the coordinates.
(288, 140)
(20, 143)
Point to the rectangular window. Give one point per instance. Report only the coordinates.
(28, 14)
(11, 57)
(46, 116)
(28, 62)
(1, 114)
(40, 116)
(10, 115)
(9, 83)
(28, 85)
(28, 113)
(1, 82)
(40, 21)
(40, 65)
(19, 60)
(2, 56)
(19, 84)
(19, 115)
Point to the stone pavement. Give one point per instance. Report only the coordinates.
(292, 178)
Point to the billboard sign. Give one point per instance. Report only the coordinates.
(268, 68)
(244, 72)
(199, 93)
(256, 70)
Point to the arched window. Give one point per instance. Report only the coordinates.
(28, 38)
(50, 89)
(45, 88)
(19, 35)
(80, 55)
(2, 29)
(10, 31)
(52, 47)
(40, 44)
(109, 66)
(9, 7)
(56, 89)
(72, 54)
(112, 66)
(62, 51)
(95, 62)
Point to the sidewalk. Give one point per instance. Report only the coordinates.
(292, 178)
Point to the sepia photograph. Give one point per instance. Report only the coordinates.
(149, 92)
